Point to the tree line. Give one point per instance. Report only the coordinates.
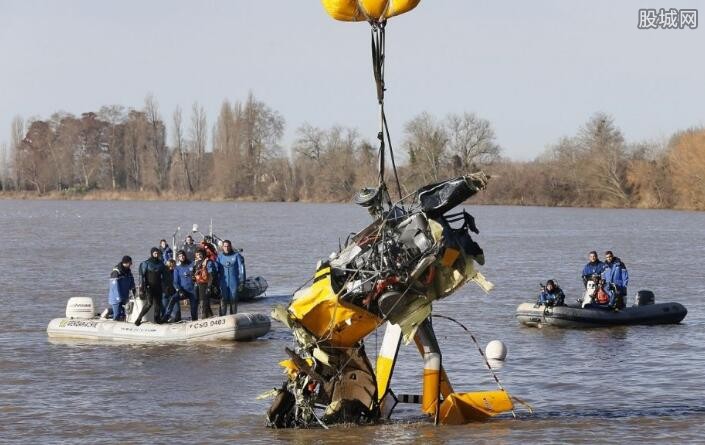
(240, 156)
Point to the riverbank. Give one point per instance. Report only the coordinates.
(135, 195)
(107, 195)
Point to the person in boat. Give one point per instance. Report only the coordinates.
(169, 292)
(602, 299)
(121, 284)
(593, 267)
(211, 251)
(189, 248)
(167, 253)
(231, 273)
(616, 280)
(551, 295)
(183, 287)
(152, 273)
(204, 273)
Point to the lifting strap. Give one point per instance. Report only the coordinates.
(378, 56)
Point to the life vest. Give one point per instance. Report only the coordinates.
(602, 296)
(200, 275)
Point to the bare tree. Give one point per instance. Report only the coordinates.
(178, 138)
(17, 135)
(199, 140)
(4, 170)
(605, 162)
(426, 143)
(309, 142)
(114, 115)
(157, 140)
(227, 151)
(686, 161)
(471, 141)
(262, 128)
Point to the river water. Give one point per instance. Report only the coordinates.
(619, 385)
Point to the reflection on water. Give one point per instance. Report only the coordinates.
(635, 384)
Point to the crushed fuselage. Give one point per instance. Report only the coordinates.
(391, 271)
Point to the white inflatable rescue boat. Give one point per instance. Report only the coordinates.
(82, 323)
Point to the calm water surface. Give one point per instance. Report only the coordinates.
(618, 385)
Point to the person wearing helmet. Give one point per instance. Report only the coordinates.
(151, 285)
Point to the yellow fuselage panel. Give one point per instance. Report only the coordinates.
(460, 408)
(361, 10)
(323, 314)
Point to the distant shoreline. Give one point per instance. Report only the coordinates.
(147, 196)
(108, 195)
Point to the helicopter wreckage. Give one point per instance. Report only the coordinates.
(415, 251)
(389, 273)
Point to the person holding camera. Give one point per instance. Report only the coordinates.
(551, 295)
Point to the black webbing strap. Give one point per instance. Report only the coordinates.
(378, 56)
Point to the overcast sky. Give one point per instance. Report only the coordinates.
(536, 69)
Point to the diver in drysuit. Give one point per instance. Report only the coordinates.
(121, 284)
(204, 274)
(231, 268)
(151, 285)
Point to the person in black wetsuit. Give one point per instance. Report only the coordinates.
(152, 285)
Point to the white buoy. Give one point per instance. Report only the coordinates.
(496, 350)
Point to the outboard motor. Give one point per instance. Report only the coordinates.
(644, 298)
(80, 308)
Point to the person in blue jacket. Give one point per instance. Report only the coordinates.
(593, 267)
(232, 277)
(167, 253)
(616, 280)
(152, 285)
(551, 295)
(121, 284)
(183, 284)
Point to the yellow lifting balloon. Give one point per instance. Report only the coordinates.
(365, 10)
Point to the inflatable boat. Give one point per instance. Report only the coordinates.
(644, 312)
(82, 323)
(253, 288)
